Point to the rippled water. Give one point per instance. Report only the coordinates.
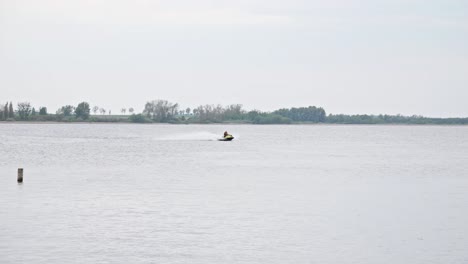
(107, 193)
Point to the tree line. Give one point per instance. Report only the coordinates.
(163, 111)
(24, 111)
(7, 112)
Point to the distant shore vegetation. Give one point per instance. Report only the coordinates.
(163, 111)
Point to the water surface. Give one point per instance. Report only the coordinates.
(120, 193)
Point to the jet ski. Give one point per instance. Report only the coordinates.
(226, 138)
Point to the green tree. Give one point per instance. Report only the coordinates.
(66, 110)
(233, 112)
(303, 114)
(82, 110)
(5, 111)
(139, 118)
(24, 110)
(42, 110)
(11, 112)
(209, 113)
(160, 110)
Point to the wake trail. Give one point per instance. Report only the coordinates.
(195, 136)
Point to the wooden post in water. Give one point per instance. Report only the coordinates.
(20, 175)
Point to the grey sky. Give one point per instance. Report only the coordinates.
(348, 56)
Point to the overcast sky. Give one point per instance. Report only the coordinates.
(348, 56)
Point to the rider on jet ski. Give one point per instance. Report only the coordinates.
(226, 134)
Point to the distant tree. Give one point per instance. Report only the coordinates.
(209, 113)
(95, 109)
(391, 119)
(24, 110)
(251, 115)
(42, 110)
(102, 111)
(139, 118)
(123, 110)
(303, 114)
(187, 111)
(5, 111)
(82, 110)
(11, 112)
(33, 112)
(110, 112)
(233, 112)
(66, 110)
(130, 110)
(161, 110)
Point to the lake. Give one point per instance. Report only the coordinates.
(124, 193)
